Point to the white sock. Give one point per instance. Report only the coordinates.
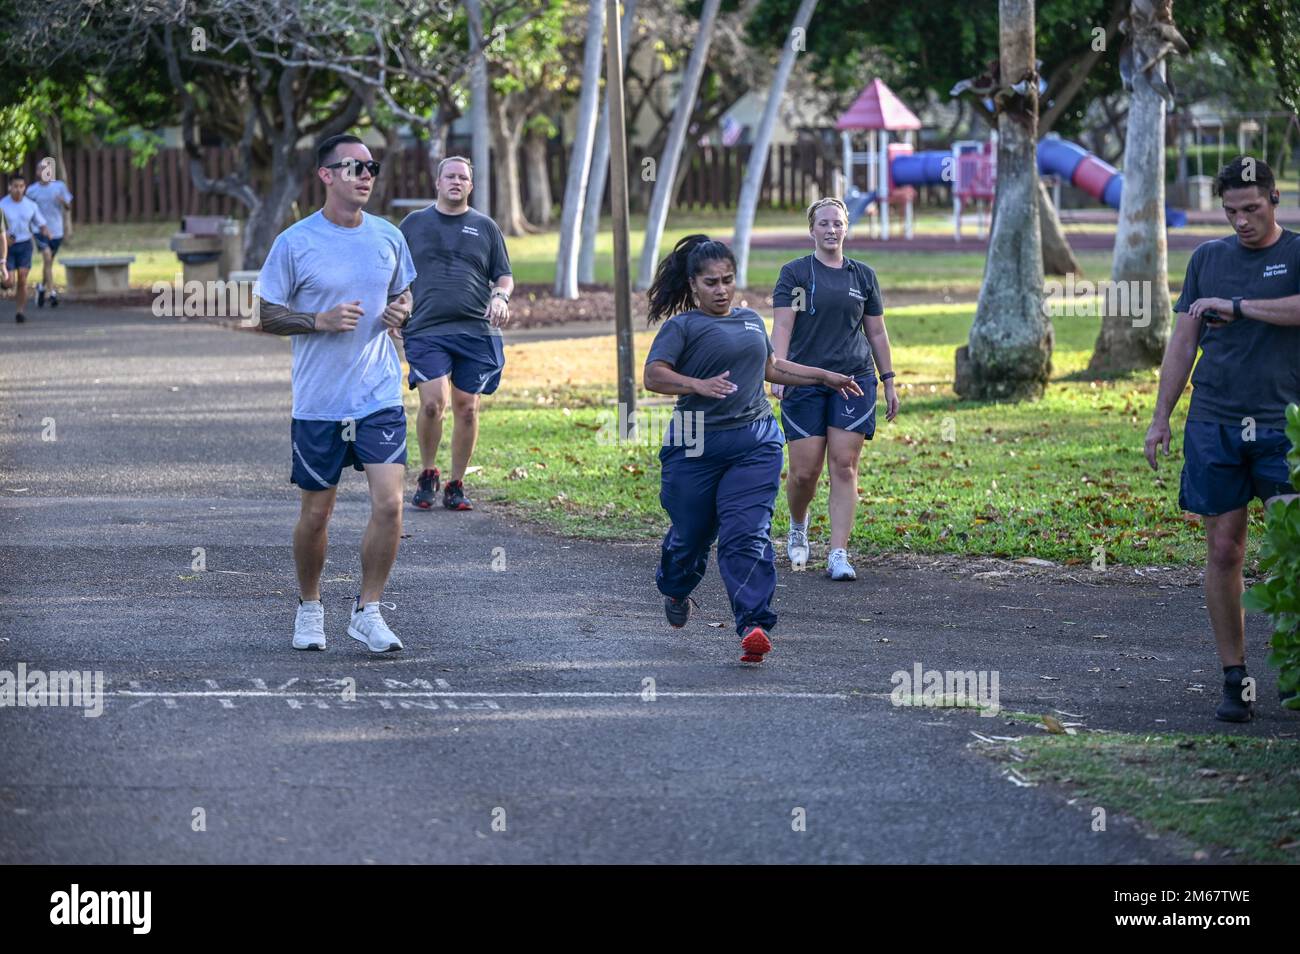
(800, 526)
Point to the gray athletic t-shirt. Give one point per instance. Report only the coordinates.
(23, 217)
(830, 332)
(48, 196)
(458, 257)
(1248, 368)
(702, 346)
(315, 265)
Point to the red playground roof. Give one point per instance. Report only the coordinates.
(878, 108)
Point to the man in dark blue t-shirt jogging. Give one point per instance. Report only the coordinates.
(1240, 306)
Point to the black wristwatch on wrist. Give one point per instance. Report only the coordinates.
(887, 375)
(1236, 308)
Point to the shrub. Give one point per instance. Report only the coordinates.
(1279, 594)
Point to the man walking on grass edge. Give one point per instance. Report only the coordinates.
(1240, 306)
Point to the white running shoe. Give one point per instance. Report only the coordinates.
(838, 566)
(796, 548)
(309, 627)
(368, 626)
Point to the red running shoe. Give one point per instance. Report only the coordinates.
(756, 645)
(427, 486)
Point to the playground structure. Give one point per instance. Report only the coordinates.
(895, 169)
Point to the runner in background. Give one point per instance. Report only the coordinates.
(51, 196)
(24, 220)
(828, 313)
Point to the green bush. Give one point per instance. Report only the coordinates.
(1279, 594)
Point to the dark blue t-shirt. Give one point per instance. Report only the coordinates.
(457, 258)
(830, 331)
(702, 346)
(1248, 368)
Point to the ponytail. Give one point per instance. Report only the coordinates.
(670, 292)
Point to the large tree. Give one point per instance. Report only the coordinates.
(756, 169)
(1009, 354)
(665, 173)
(1136, 320)
(262, 75)
(600, 168)
(575, 188)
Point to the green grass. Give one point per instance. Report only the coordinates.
(1054, 479)
(1216, 791)
(533, 256)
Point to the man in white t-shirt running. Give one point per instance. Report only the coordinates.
(23, 220)
(51, 196)
(338, 282)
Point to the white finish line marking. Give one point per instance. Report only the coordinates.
(274, 694)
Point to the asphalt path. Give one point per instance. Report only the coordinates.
(542, 710)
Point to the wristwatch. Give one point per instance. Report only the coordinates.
(498, 293)
(887, 375)
(1236, 308)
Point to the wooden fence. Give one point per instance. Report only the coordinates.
(110, 188)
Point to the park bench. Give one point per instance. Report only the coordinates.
(96, 275)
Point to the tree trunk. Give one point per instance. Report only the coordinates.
(381, 193)
(1135, 323)
(1009, 355)
(1058, 257)
(481, 197)
(575, 189)
(540, 201)
(666, 173)
(436, 147)
(757, 165)
(599, 171)
(267, 216)
(52, 127)
(506, 133)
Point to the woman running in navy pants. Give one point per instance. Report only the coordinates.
(723, 483)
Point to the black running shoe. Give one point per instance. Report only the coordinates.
(453, 496)
(40, 296)
(428, 487)
(54, 299)
(677, 611)
(1234, 708)
(20, 317)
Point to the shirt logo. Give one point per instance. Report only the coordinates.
(753, 327)
(468, 230)
(385, 258)
(1278, 268)
(854, 293)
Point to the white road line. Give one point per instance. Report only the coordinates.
(273, 694)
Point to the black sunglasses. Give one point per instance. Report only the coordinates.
(353, 167)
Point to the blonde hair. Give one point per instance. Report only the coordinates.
(821, 204)
(469, 165)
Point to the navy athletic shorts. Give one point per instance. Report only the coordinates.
(20, 255)
(1222, 470)
(474, 362)
(52, 244)
(321, 449)
(806, 411)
